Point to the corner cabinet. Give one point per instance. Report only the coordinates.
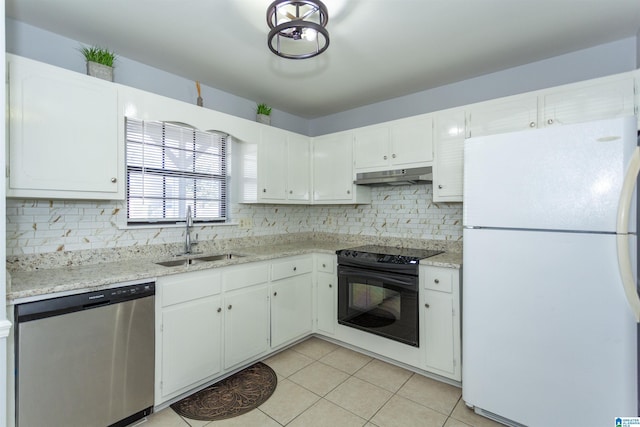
(274, 169)
(333, 171)
(440, 301)
(66, 139)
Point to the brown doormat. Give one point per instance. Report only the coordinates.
(233, 396)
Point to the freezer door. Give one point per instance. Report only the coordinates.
(560, 178)
(548, 336)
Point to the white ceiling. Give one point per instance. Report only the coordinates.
(380, 49)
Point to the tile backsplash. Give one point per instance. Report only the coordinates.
(41, 226)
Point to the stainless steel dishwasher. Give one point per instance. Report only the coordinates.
(86, 360)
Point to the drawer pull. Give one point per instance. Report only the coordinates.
(295, 268)
(219, 309)
(275, 294)
(230, 306)
(426, 305)
(437, 281)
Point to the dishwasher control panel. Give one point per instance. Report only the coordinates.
(68, 304)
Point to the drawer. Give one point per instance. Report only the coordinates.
(326, 263)
(245, 275)
(439, 279)
(189, 286)
(291, 267)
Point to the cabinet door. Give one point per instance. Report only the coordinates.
(291, 308)
(246, 324)
(511, 114)
(439, 331)
(63, 134)
(190, 343)
(272, 165)
(333, 168)
(589, 101)
(327, 303)
(371, 147)
(411, 141)
(449, 151)
(299, 163)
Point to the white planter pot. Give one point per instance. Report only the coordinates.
(263, 118)
(100, 71)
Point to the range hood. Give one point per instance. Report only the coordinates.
(395, 177)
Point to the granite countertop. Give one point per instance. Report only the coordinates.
(39, 283)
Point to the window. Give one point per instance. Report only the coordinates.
(171, 166)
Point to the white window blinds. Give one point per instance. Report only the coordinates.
(171, 166)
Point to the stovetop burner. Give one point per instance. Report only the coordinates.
(387, 254)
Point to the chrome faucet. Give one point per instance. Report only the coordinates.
(187, 234)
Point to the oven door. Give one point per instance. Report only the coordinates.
(379, 302)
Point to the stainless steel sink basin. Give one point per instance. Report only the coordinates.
(198, 260)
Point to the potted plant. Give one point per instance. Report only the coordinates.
(99, 62)
(263, 113)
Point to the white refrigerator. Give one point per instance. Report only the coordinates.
(550, 302)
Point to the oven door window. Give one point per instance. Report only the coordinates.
(380, 303)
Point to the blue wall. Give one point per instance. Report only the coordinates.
(611, 58)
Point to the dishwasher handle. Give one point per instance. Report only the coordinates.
(85, 301)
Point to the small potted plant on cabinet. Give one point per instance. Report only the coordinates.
(99, 62)
(263, 113)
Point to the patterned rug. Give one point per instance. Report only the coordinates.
(233, 396)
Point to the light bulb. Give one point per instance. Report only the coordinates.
(309, 34)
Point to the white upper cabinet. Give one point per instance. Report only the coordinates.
(274, 170)
(598, 99)
(401, 143)
(449, 131)
(333, 171)
(503, 115)
(592, 100)
(66, 139)
(298, 168)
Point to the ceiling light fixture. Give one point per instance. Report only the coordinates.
(297, 28)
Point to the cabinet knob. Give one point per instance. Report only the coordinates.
(330, 285)
(385, 157)
(295, 268)
(229, 307)
(532, 124)
(219, 309)
(426, 305)
(348, 191)
(324, 265)
(290, 191)
(436, 281)
(393, 156)
(264, 190)
(114, 180)
(275, 294)
(439, 185)
(550, 121)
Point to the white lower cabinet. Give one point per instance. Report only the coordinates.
(246, 312)
(188, 331)
(440, 300)
(326, 294)
(291, 294)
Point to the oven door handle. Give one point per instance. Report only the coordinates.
(404, 281)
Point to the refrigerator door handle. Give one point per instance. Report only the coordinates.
(622, 237)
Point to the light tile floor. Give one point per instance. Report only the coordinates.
(321, 384)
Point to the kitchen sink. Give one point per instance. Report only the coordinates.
(198, 260)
